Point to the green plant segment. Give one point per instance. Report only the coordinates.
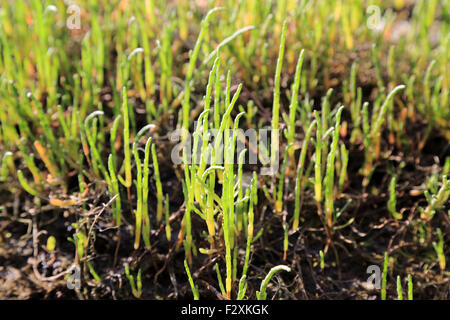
(136, 285)
(299, 177)
(437, 200)
(191, 282)
(392, 203)
(262, 294)
(372, 135)
(384, 276)
(439, 249)
(399, 288)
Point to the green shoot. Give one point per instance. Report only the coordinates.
(399, 288)
(159, 191)
(410, 287)
(392, 203)
(299, 178)
(384, 278)
(439, 249)
(191, 282)
(167, 216)
(276, 99)
(136, 286)
(322, 260)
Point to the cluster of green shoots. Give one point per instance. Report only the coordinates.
(231, 213)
